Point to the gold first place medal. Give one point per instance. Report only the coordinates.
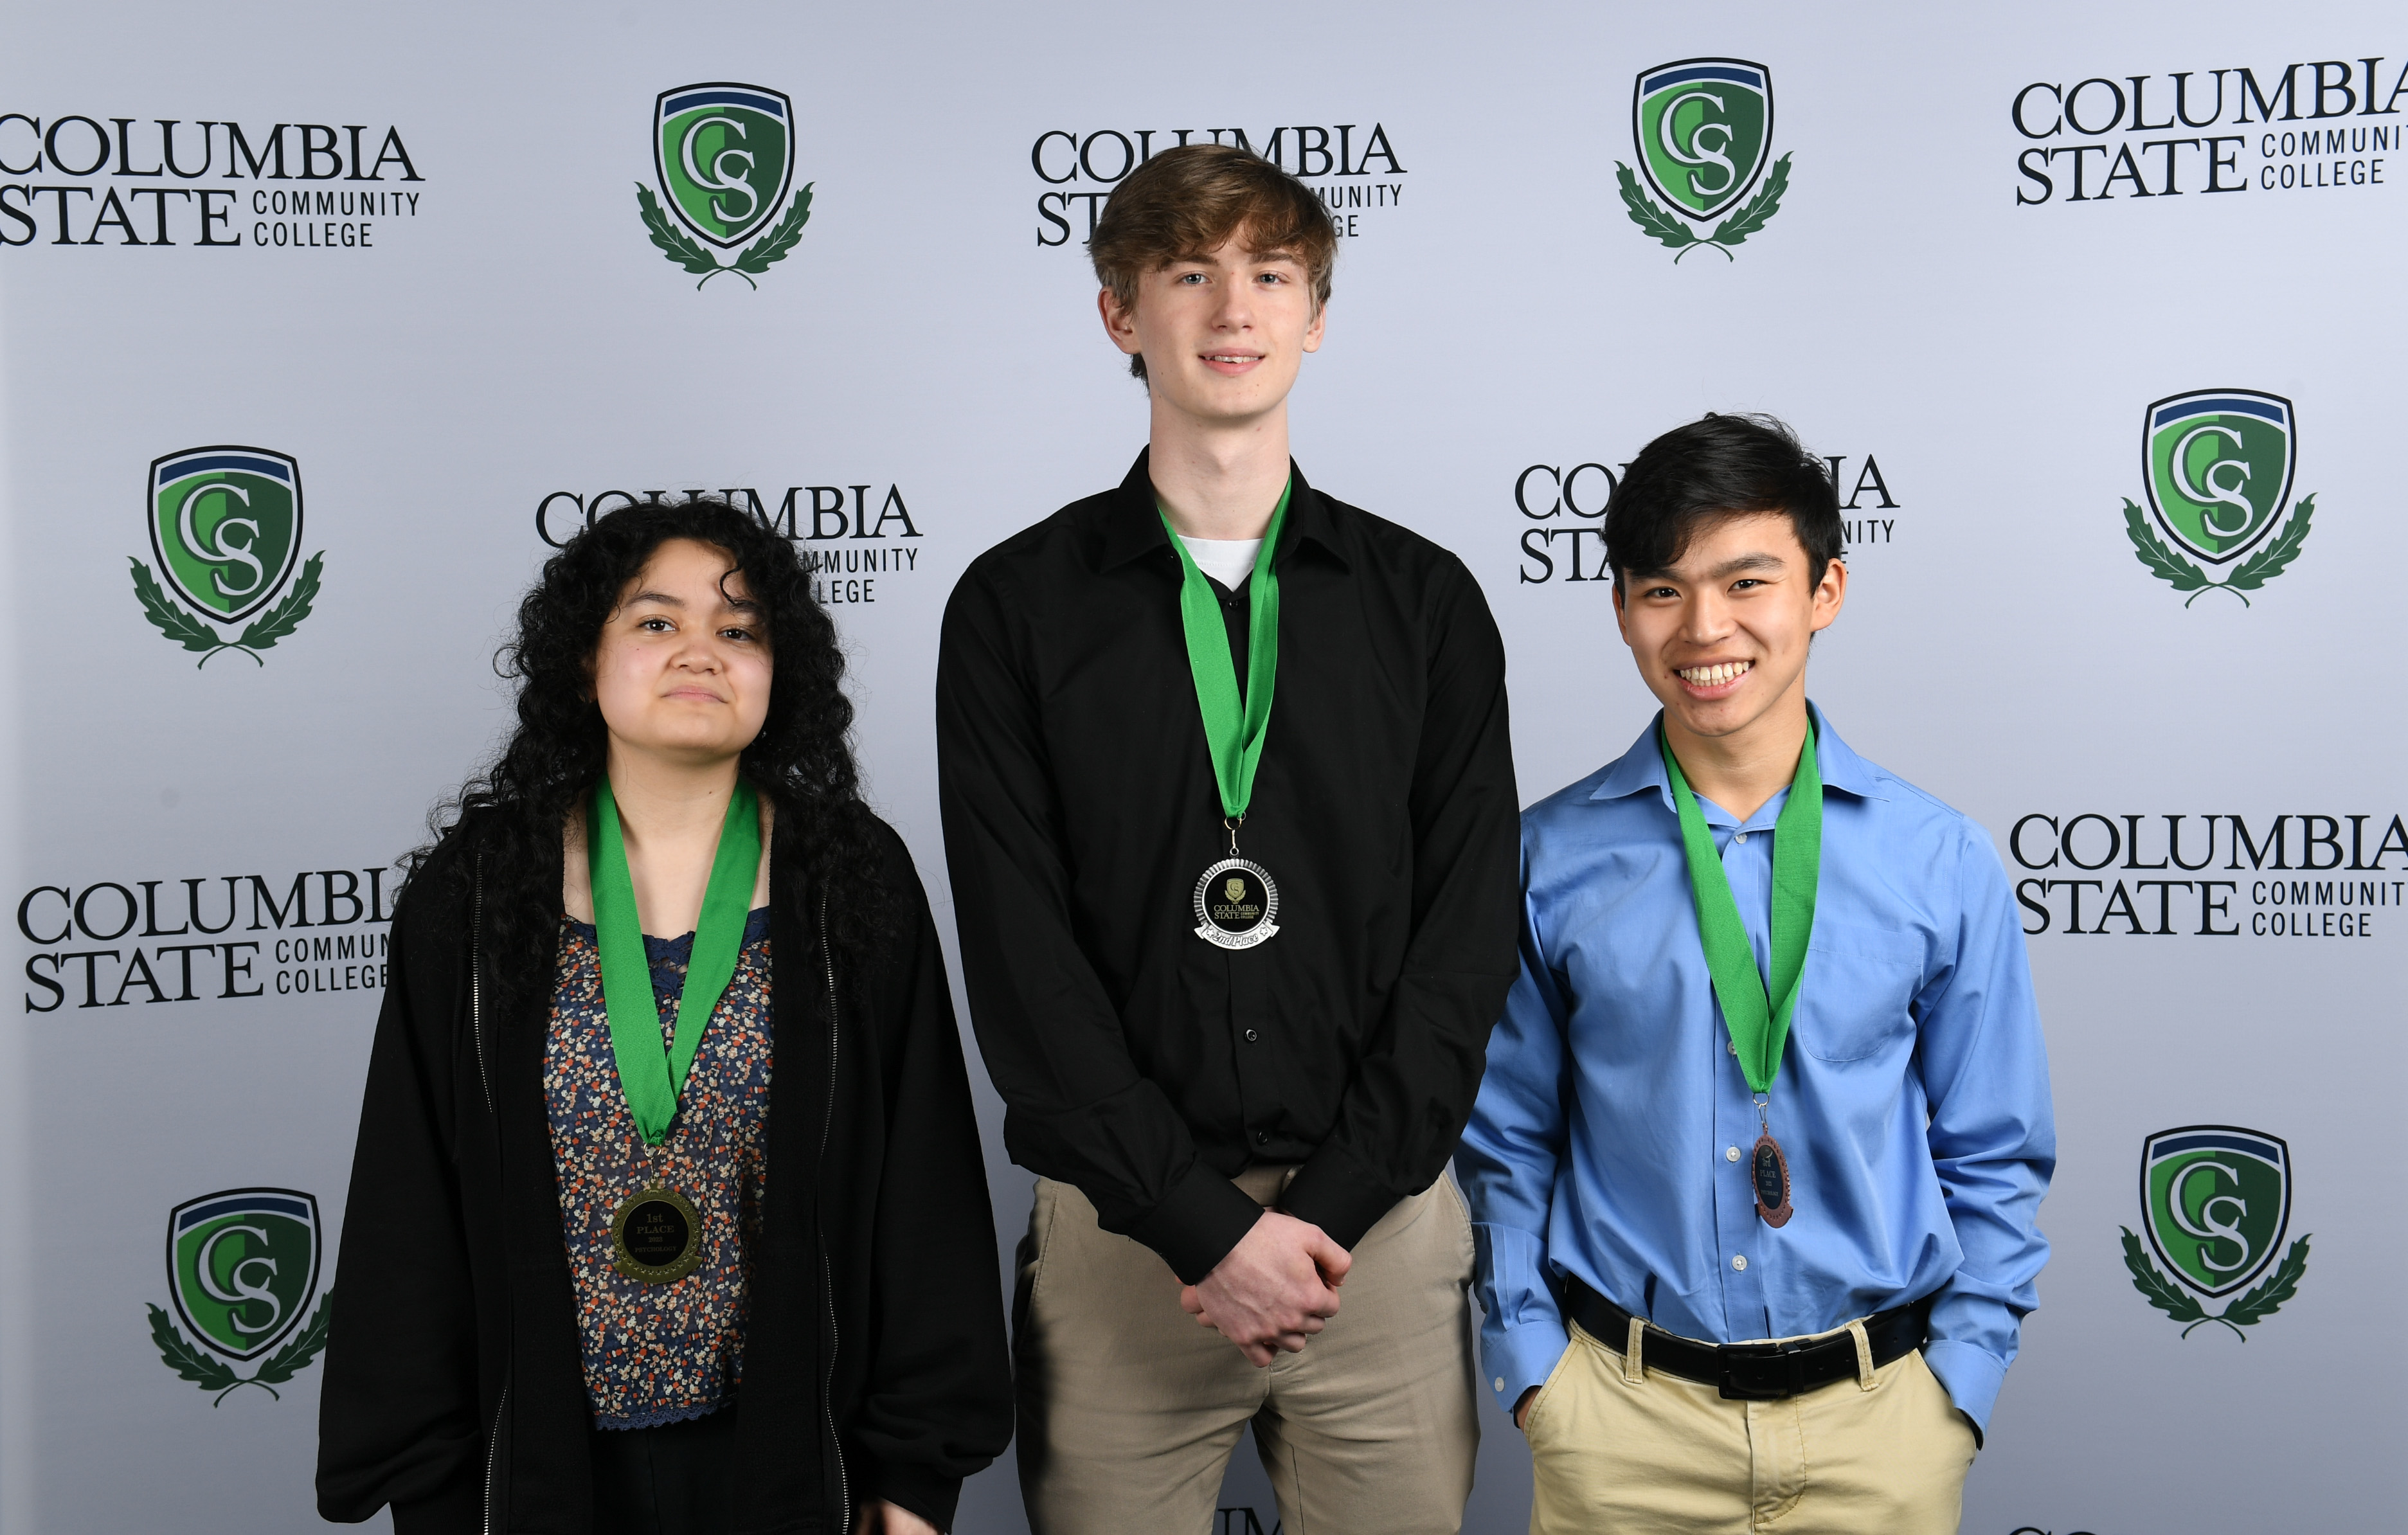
(1236, 904)
(656, 1236)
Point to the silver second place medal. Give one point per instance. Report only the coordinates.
(1236, 904)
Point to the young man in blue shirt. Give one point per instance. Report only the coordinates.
(1754, 1168)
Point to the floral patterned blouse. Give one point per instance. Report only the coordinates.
(658, 1354)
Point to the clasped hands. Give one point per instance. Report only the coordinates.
(1276, 1288)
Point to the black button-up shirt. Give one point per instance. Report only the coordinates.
(1135, 1060)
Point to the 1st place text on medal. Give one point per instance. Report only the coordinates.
(656, 1236)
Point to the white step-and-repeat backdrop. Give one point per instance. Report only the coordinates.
(2095, 310)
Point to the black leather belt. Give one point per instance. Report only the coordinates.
(1752, 1371)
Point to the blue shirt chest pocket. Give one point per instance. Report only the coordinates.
(1856, 998)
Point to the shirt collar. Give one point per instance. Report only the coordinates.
(1642, 768)
(1132, 522)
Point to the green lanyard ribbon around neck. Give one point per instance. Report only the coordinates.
(1759, 1026)
(650, 1076)
(1235, 734)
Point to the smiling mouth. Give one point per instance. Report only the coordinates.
(1233, 358)
(1716, 675)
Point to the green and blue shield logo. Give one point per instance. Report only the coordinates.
(1701, 127)
(724, 157)
(2216, 1201)
(725, 154)
(225, 524)
(1703, 132)
(2216, 465)
(2219, 468)
(243, 1265)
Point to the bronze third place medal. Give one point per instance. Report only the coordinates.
(1769, 1172)
(656, 1236)
(1236, 904)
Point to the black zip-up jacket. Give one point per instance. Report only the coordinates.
(875, 1364)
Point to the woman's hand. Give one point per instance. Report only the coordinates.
(884, 1518)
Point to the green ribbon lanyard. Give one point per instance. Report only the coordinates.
(1235, 736)
(650, 1076)
(1759, 1029)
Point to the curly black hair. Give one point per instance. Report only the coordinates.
(801, 763)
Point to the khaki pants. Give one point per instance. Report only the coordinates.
(1129, 1409)
(1617, 1451)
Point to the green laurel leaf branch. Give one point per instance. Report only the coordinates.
(211, 1374)
(301, 1346)
(2163, 562)
(179, 1354)
(1662, 226)
(263, 632)
(673, 241)
(1647, 215)
(2268, 1299)
(2177, 1303)
(773, 246)
(2155, 1288)
(280, 622)
(2253, 573)
(1760, 207)
(2268, 563)
(171, 620)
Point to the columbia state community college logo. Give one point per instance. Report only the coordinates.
(2216, 1200)
(2216, 465)
(724, 156)
(241, 1267)
(1702, 128)
(225, 525)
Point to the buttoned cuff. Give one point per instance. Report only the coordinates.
(1520, 1357)
(1336, 1193)
(1197, 1221)
(1973, 1375)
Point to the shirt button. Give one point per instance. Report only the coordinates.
(1740, 838)
(1252, 1036)
(1739, 1261)
(1500, 1386)
(1731, 1045)
(1262, 1138)
(1730, 1153)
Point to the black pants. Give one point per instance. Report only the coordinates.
(672, 1480)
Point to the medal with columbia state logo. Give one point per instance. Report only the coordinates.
(1237, 900)
(1236, 904)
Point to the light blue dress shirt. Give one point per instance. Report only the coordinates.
(1611, 1132)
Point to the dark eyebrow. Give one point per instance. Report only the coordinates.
(742, 605)
(1727, 568)
(1204, 258)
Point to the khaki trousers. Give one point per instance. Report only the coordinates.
(1616, 1450)
(1129, 1409)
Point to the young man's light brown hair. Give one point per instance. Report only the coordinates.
(1188, 202)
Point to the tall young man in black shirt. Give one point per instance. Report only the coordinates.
(1229, 807)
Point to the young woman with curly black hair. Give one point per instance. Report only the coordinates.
(606, 1268)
